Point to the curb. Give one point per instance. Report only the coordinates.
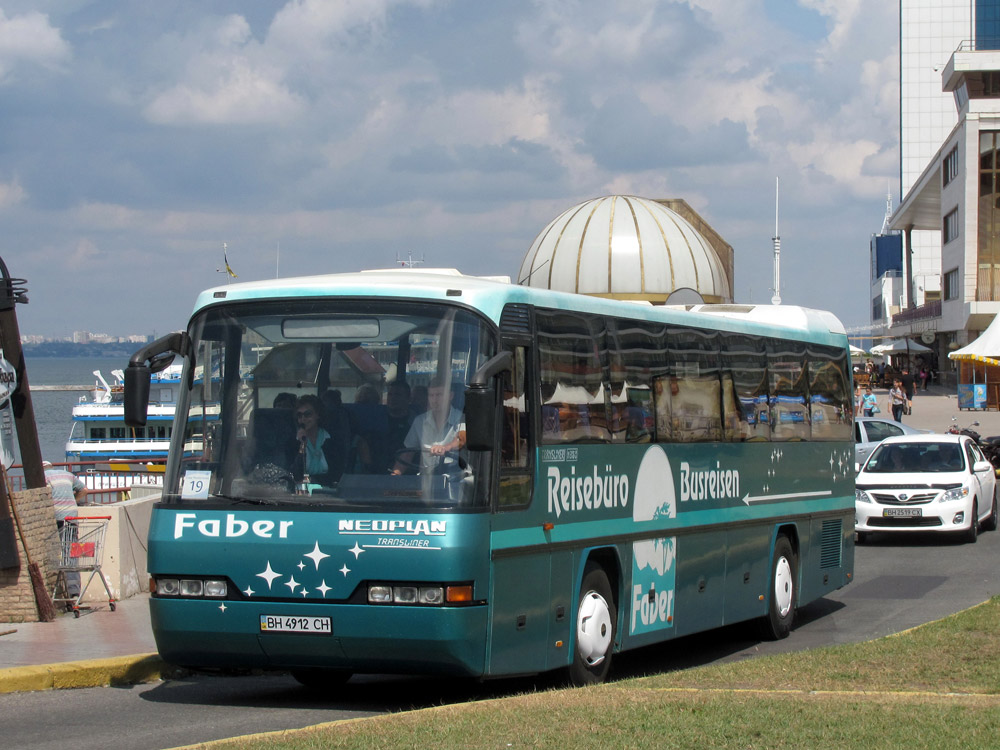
(119, 670)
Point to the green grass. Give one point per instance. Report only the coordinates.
(935, 686)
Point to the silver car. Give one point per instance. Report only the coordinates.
(870, 431)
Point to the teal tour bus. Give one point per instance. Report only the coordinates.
(417, 471)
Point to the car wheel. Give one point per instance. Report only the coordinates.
(972, 533)
(990, 524)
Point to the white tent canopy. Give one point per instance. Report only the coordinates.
(986, 348)
(900, 346)
(857, 351)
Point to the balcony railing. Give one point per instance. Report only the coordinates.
(928, 310)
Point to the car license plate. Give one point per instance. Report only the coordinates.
(290, 624)
(901, 512)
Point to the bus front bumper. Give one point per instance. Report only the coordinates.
(378, 639)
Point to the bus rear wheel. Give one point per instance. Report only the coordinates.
(595, 629)
(777, 623)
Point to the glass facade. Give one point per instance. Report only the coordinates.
(987, 24)
(988, 261)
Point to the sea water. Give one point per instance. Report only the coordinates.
(54, 409)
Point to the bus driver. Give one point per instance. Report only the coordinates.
(437, 432)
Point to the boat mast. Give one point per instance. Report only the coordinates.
(776, 299)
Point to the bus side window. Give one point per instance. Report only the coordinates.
(515, 478)
(829, 394)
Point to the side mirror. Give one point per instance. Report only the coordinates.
(151, 358)
(136, 394)
(480, 417)
(481, 403)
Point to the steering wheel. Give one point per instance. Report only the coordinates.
(410, 460)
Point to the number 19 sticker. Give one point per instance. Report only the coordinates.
(195, 485)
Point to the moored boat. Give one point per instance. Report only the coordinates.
(99, 432)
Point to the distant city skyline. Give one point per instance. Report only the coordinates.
(86, 337)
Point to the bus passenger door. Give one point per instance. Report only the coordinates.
(519, 592)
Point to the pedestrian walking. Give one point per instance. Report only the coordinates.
(68, 491)
(897, 400)
(907, 380)
(869, 404)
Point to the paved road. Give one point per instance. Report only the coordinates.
(899, 583)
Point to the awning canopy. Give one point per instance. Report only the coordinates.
(985, 349)
(900, 346)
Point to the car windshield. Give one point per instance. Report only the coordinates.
(327, 402)
(896, 458)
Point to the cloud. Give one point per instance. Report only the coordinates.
(226, 81)
(11, 193)
(29, 39)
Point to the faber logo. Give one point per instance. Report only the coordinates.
(653, 574)
(232, 528)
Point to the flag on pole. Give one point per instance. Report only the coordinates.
(225, 257)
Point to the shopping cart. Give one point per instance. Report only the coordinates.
(81, 544)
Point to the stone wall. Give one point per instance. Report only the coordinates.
(38, 523)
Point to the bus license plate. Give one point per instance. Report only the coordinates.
(901, 512)
(290, 624)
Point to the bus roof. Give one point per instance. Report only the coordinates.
(489, 295)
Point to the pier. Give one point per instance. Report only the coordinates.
(61, 387)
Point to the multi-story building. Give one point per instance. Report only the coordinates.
(949, 215)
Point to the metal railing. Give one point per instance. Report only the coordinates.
(928, 310)
(107, 481)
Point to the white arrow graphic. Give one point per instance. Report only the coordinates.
(748, 498)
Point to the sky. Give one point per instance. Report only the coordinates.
(331, 136)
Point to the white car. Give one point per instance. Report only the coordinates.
(926, 483)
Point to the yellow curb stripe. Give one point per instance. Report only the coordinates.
(119, 670)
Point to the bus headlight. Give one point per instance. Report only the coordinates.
(216, 588)
(194, 588)
(167, 587)
(415, 594)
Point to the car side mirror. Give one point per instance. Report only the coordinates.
(982, 466)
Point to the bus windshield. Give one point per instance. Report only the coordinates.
(330, 403)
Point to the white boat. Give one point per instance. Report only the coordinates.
(99, 432)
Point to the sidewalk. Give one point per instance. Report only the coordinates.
(100, 647)
(934, 408)
(103, 647)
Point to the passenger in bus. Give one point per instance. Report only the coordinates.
(336, 420)
(314, 452)
(284, 400)
(418, 400)
(397, 408)
(436, 435)
(368, 428)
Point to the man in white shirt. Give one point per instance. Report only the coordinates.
(437, 432)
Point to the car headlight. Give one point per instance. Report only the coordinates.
(955, 493)
(861, 496)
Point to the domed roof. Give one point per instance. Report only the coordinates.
(625, 247)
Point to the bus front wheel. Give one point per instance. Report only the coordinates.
(595, 629)
(777, 623)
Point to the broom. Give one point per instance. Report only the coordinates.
(46, 609)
